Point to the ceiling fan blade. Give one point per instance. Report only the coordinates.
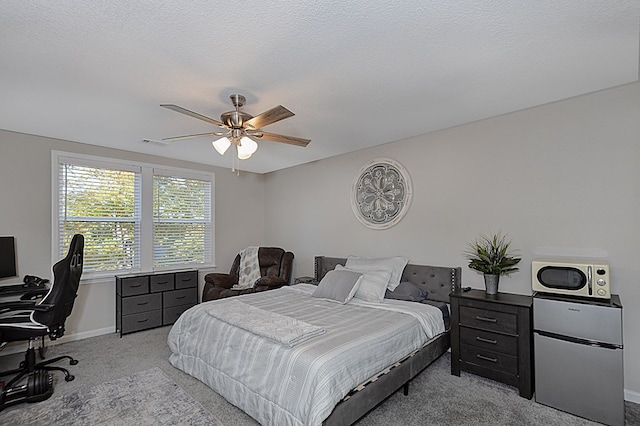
(181, 110)
(291, 140)
(179, 138)
(270, 116)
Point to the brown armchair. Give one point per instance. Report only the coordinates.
(275, 270)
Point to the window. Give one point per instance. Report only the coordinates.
(134, 217)
(181, 220)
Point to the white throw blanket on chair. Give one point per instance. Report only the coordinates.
(249, 271)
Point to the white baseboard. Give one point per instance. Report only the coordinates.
(632, 396)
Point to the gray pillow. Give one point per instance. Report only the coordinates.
(407, 291)
(340, 286)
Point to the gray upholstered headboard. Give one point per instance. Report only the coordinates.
(439, 281)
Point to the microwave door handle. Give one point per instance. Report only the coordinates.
(589, 280)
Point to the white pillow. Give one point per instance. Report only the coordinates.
(394, 264)
(373, 285)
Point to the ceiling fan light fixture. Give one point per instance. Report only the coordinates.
(246, 148)
(221, 145)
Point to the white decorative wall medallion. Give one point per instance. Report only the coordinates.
(381, 193)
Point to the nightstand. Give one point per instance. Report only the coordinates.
(491, 336)
(305, 280)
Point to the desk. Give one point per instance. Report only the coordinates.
(16, 292)
(21, 290)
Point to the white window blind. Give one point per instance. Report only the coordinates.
(102, 202)
(182, 228)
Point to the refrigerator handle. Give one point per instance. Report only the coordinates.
(577, 340)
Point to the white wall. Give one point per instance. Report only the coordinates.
(562, 178)
(25, 212)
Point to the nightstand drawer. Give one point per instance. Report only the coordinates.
(490, 341)
(488, 320)
(133, 286)
(162, 282)
(142, 321)
(489, 359)
(187, 279)
(179, 297)
(144, 303)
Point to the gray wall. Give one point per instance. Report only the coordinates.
(25, 212)
(559, 179)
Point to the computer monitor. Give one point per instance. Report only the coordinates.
(7, 257)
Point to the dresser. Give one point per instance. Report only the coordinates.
(145, 301)
(491, 336)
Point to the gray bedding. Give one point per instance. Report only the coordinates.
(300, 385)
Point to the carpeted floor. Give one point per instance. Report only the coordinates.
(435, 397)
(145, 398)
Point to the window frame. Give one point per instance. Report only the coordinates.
(147, 171)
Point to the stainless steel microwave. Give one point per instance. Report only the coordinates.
(571, 277)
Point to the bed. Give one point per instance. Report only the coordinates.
(358, 354)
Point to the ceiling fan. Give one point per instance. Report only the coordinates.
(240, 127)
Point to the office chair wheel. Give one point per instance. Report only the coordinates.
(69, 378)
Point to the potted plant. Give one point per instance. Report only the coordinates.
(490, 255)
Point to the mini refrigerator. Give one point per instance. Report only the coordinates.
(578, 356)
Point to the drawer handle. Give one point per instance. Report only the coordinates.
(163, 282)
(136, 286)
(186, 280)
(482, 339)
(180, 297)
(485, 319)
(145, 320)
(486, 358)
(143, 303)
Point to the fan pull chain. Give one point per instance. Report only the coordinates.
(235, 160)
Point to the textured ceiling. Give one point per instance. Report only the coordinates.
(356, 74)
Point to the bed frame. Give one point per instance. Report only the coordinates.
(439, 281)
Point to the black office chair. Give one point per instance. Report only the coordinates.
(29, 320)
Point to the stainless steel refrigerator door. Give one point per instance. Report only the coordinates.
(583, 380)
(582, 320)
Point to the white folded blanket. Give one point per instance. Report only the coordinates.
(281, 329)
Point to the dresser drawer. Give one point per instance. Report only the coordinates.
(141, 321)
(179, 297)
(170, 315)
(489, 320)
(489, 340)
(162, 282)
(187, 279)
(489, 359)
(143, 303)
(134, 285)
